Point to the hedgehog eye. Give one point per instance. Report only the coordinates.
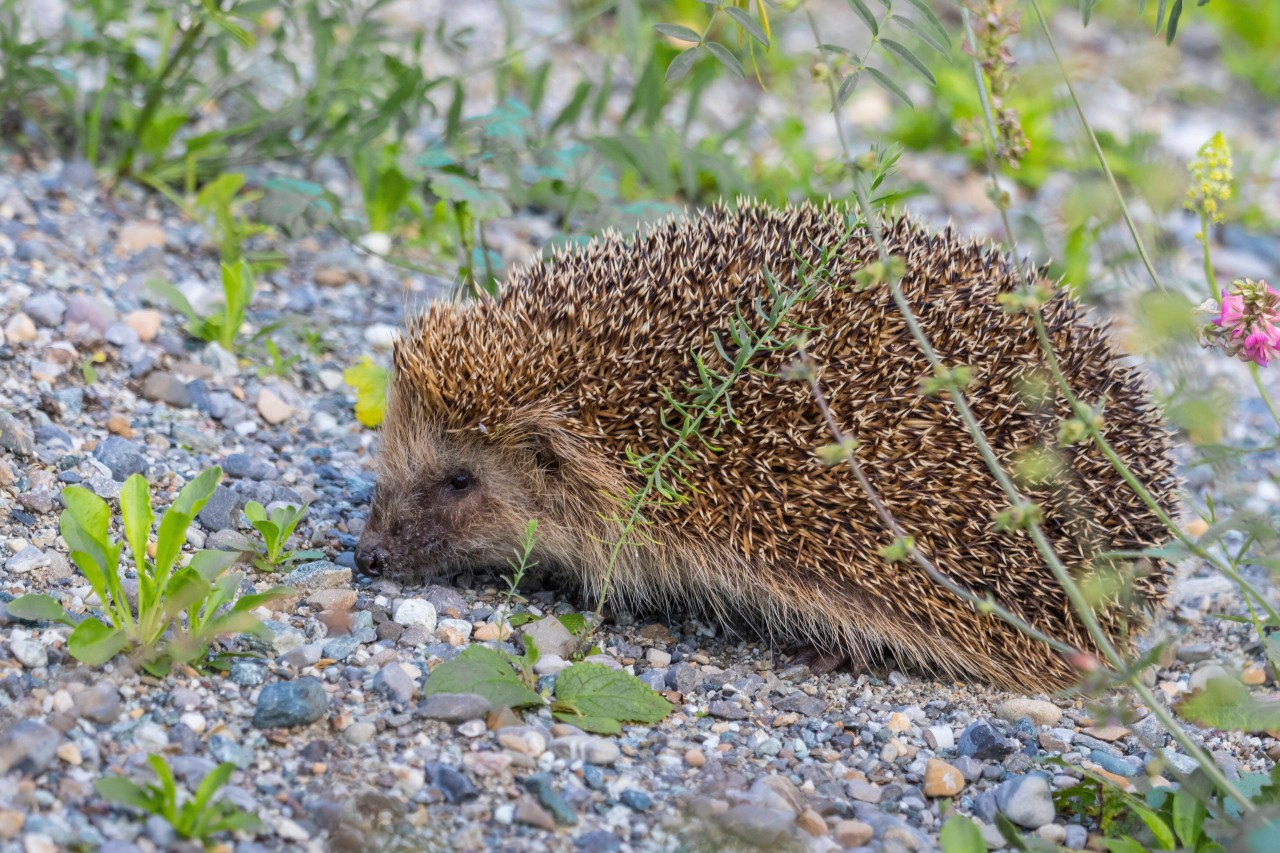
(462, 481)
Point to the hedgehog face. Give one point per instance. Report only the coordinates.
(445, 506)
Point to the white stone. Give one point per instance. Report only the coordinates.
(417, 611)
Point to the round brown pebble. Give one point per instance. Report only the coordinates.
(812, 823)
(852, 833)
(694, 757)
(941, 779)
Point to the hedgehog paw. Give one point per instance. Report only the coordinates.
(821, 662)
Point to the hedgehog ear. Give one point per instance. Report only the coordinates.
(538, 431)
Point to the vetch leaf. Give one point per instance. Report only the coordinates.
(594, 690)
(886, 83)
(38, 607)
(678, 32)
(680, 66)
(748, 23)
(487, 673)
(904, 53)
(867, 17)
(726, 58)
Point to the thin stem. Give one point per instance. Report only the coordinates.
(1262, 392)
(1209, 277)
(1072, 590)
(155, 92)
(988, 141)
(1097, 149)
(982, 605)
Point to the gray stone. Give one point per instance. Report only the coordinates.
(30, 653)
(864, 792)
(685, 678)
(598, 841)
(446, 601)
(540, 786)
(317, 575)
(454, 707)
(243, 466)
(393, 682)
(1076, 838)
(1112, 763)
(224, 748)
(166, 388)
(290, 703)
(981, 740)
(727, 710)
(222, 510)
(803, 704)
(551, 636)
(34, 250)
(121, 335)
(304, 655)
(340, 648)
(247, 673)
(92, 312)
(761, 827)
(28, 747)
(1026, 800)
(78, 174)
(122, 457)
(16, 438)
(99, 703)
(587, 748)
(357, 734)
(46, 309)
(28, 559)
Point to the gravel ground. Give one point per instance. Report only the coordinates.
(335, 744)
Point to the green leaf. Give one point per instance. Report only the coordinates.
(93, 643)
(249, 602)
(748, 23)
(961, 835)
(726, 58)
(210, 564)
(118, 789)
(1123, 845)
(930, 20)
(1188, 816)
(172, 535)
(38, 607)
(680, 66)
(888, 85)
(370, 382)
(1163, 834)
(91, 517)
(574, 623)
(595, 725)
(921, 33)
(904, 53)
(867, 17)
(1226, 704)
(678, 32)
(213, 780)
(255, 512)
(175, 299)
(135, 510)
(487, 673)
(595, 690)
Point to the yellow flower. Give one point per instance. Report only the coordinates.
(1210, 178)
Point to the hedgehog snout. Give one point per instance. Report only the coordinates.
(371, 559)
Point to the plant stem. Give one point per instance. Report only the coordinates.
(1262, 392)
(988, 141)
(155, 92)
(1209, 277)
(1097, 149)
(1072, 590)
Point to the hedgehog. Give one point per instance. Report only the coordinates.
(537, 404)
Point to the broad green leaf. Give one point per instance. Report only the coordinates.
(595, 725)
(678, 32)
(91, 516)
(1227, 704)
(255, 512)
(595, 690)
(213, 780)
(168, 787)
(886, 83)
(1188, 816)
(1159, 829)
(487, 673)
(210, 564)
(574, 623)
(175, 298)
(726, 58)
(680, 66)
(120, 790)
(135, 510)
(196, 494)
(960, 835)
(1123, 845)
(93, 643)
(257, 599)
(38, 607)
(92, 571)
(904, 53)
(184, 589)
(748, 23)
(370, 382)
(172, 535)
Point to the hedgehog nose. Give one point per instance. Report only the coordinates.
(371, 560)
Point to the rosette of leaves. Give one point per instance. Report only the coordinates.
(179, 609)
(275, 529)
(198, 817)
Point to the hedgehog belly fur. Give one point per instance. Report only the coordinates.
(543, 398)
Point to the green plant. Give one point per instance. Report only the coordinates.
(198, 817)
(179, 607)
(279, 365)
(521, 564)
(222, 328)
(591, 696)
(275, 531)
